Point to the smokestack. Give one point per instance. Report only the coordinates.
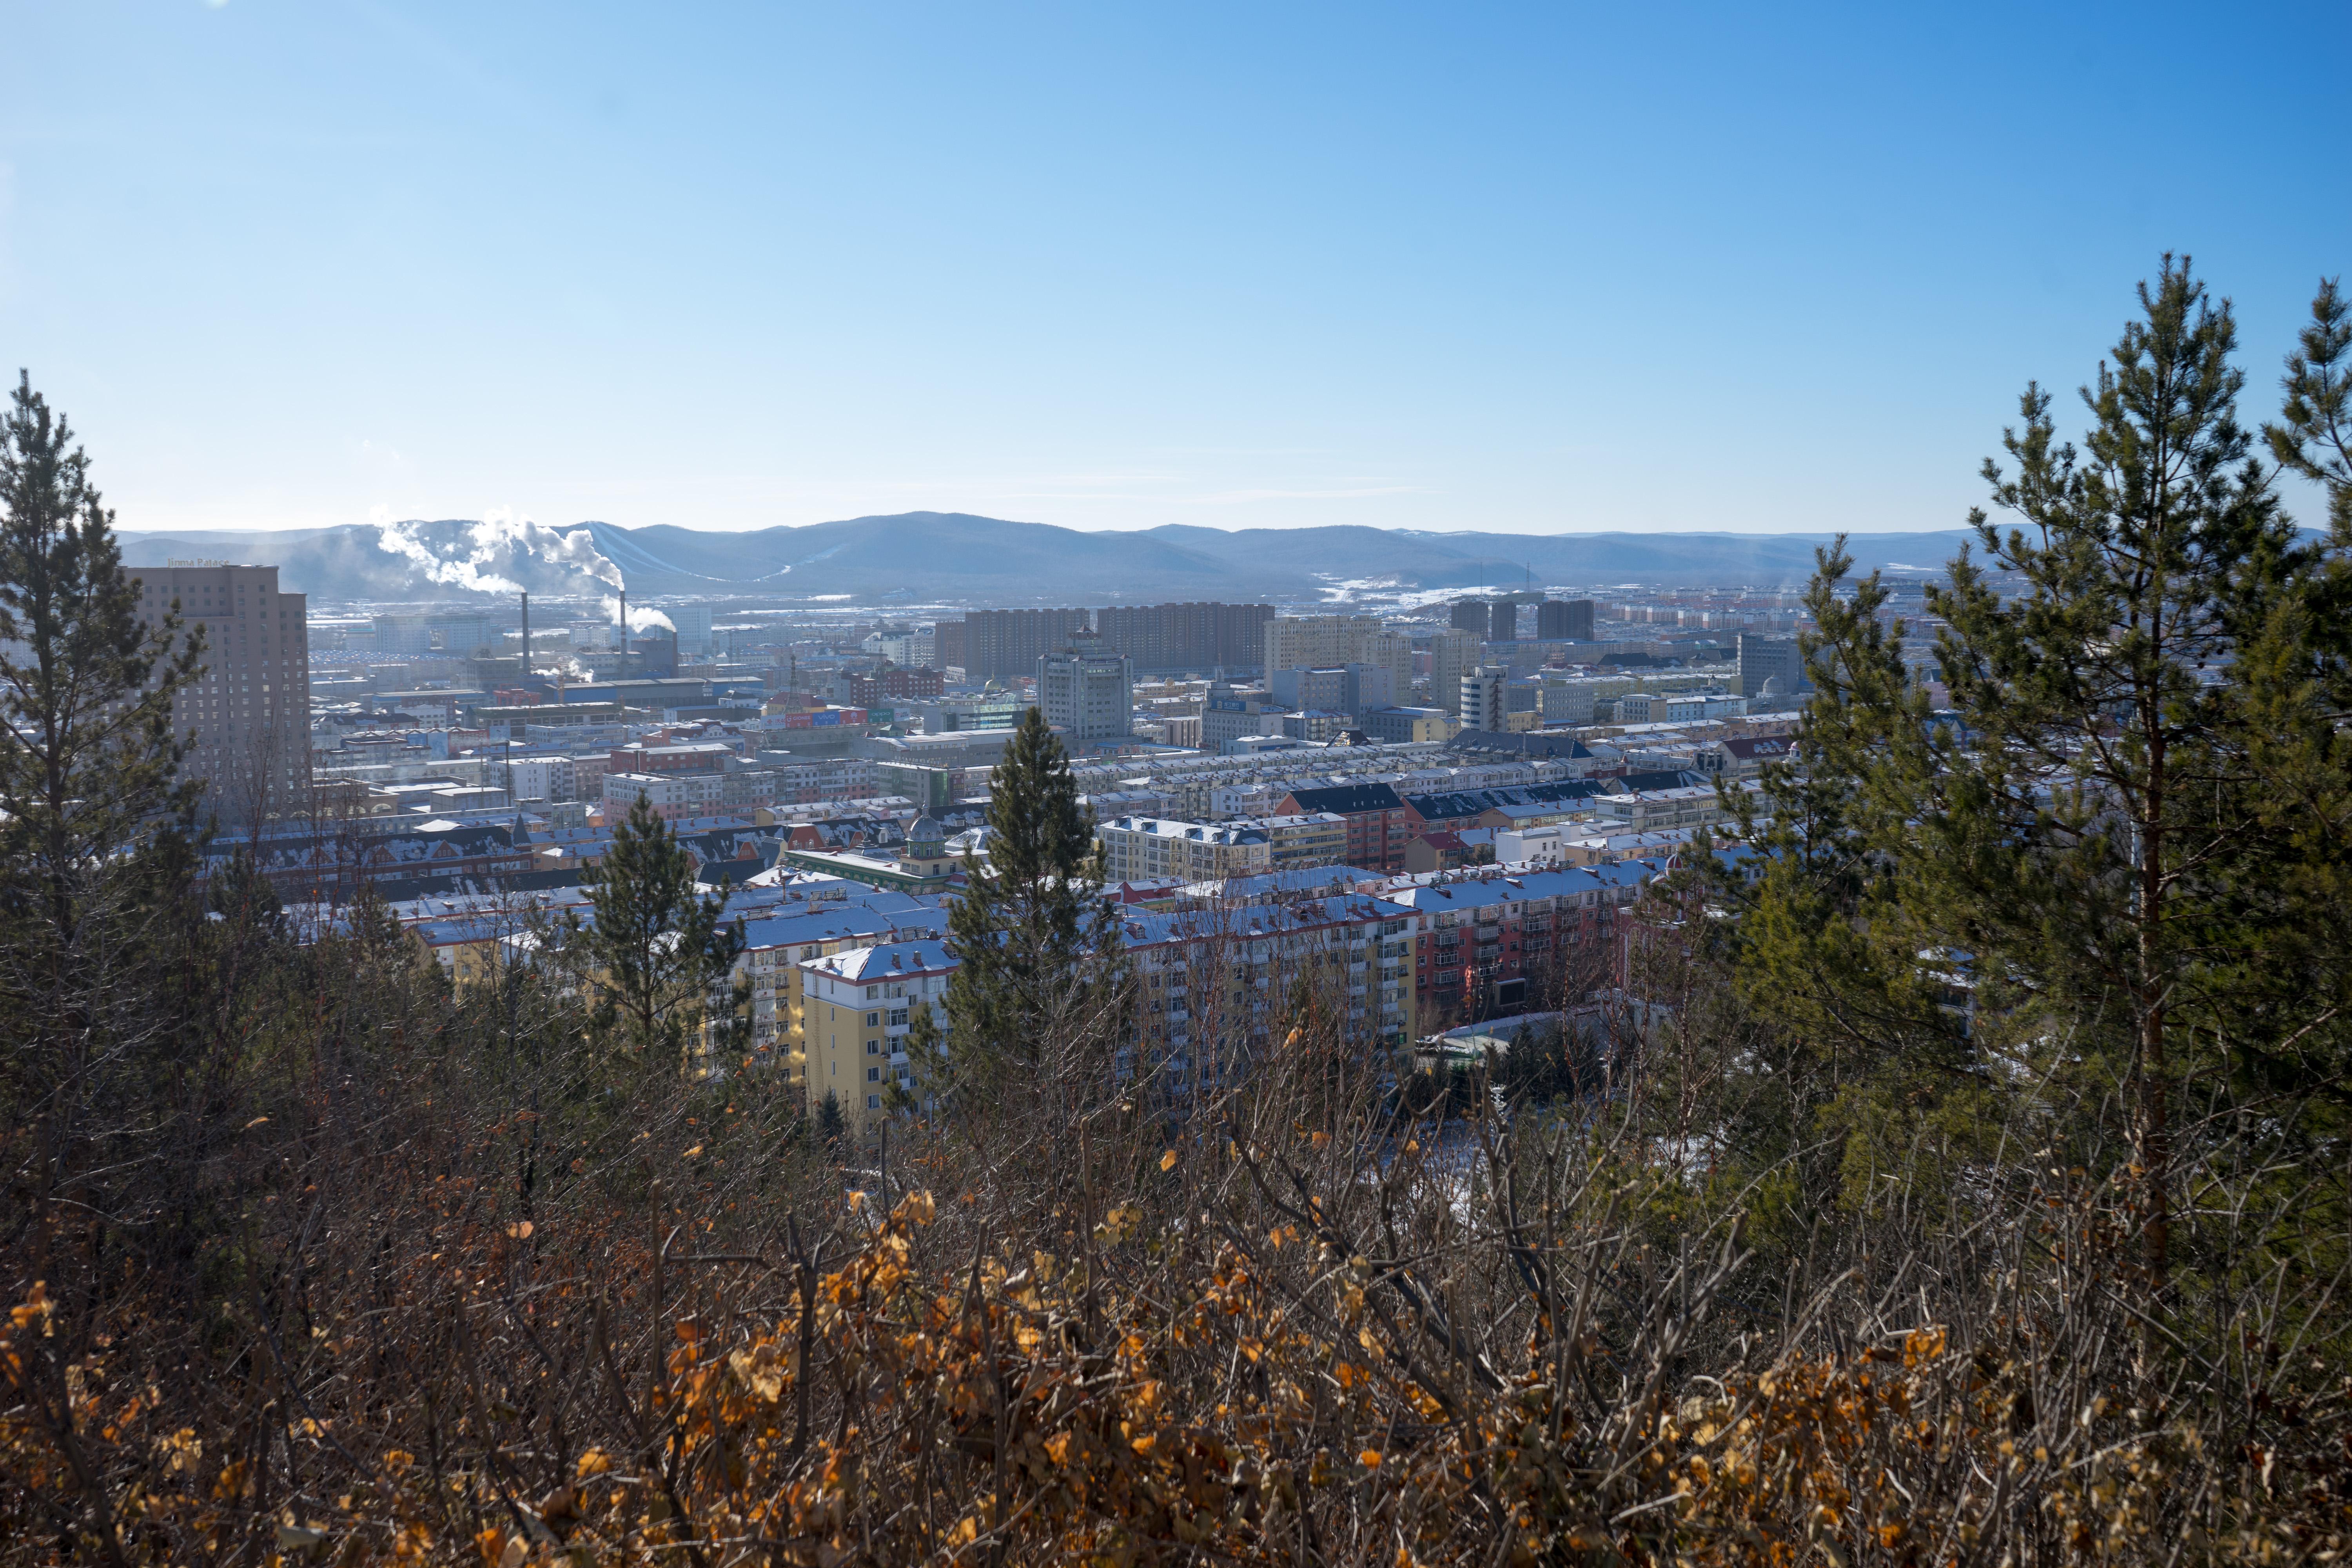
(624, 634)
(526, 637)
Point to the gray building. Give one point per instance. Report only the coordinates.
(248, 714)
(1471, 616)
(1763, 659)
(1565, 619)
(1351, 689)
(1087, 689)
(1504, 625)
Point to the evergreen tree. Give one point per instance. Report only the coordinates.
(657, 951)
(1039, 961)
(89, 794)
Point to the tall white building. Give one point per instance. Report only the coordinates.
(693, 624)
(1481, 699)
(1086, 690)
(247, 717)
(1453, 654)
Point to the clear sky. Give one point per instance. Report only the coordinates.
(1528, 266)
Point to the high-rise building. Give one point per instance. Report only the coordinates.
(1505, 625)
(948, 645)
(1483, 700)
(247, 717)
(1353, 689)
(693, 624)
(1323, 642)
(1570, 619)
(1004, 645)
(1471, 616)
(1763, 659)
(402, 633)
(1453, 654)
(1086, 690)
(1200, 636)
(458, 636)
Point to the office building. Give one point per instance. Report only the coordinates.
(1198, 638)
(1006, 645)
(1564, 620)
(1471, 616)
(1767, 659)
(1086, 690)
(1505, 625)
(1453, 654)
(247, 717)
(1228, 715)
(693, 624)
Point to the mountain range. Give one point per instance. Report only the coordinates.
(955, 558)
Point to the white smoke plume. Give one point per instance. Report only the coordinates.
(640, 618)
(499, 532)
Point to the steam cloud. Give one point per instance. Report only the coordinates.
(500, 532)
(639, 616)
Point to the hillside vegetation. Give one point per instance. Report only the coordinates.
(1974, 1190)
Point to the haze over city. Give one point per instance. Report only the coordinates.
(1008, 785)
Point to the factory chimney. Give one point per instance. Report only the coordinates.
(525, 639)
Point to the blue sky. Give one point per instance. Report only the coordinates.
(1537, 267)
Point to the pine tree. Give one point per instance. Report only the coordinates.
(1033, 1001)
(90, 857)
(2085, 837)
(655, 949)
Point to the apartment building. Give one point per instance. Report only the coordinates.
(1482, 702)
(1378, 820)
(1139, 848)
(1211, 984)
(856, 1006)
(1006, 645)
(673, 797)
(1469, 616)
(1328, 642)
(1453, 654)
(1564, 620)
(1661, 810)
(1201, 637)
(247, 717)
(1503, 626)
(1307, 838)
(1513, 938)
(775, 947)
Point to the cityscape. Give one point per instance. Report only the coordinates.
(1532, 786)
(816, 756)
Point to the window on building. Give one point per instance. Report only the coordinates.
(897, 1016)
(873, 1075)
(872, 1020)
(873, 1102)
(872, 1048)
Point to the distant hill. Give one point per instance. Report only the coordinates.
(956, 558)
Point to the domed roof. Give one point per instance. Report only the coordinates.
(926, 831)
